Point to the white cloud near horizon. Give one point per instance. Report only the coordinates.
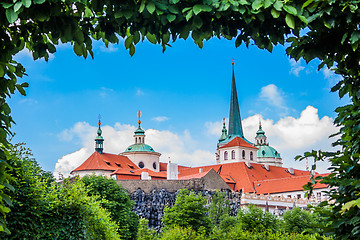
(290, 136)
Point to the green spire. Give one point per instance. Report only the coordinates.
(235, 128)
(99, 140)
(224, 132)
(139, 130)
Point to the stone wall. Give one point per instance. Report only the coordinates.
(151, 205)
(211, 181)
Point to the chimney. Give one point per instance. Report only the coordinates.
(172, 171)
(200, 170)
(266, 166)
(248, 164)
(291, 170)
(145, 176)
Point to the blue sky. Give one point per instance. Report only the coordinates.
(183, 91)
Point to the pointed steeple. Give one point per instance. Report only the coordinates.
(235, 127)
(260, 138)
(223, 132)
(139, 134)
(99, 140)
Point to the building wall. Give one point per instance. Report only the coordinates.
(92, 172)
(238, 155)
(270, 161)
(148, 158)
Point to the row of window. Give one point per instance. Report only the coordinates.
(142, 165)
(226, 157)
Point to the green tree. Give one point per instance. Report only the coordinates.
(189, 211)
(219, 207)
(255, 219)
(144, 232)
(298, 221)
(117, 202)
(42, 209)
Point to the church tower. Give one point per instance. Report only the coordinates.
(266, 154)
(232, 145)
(99, 140)
(141, 154)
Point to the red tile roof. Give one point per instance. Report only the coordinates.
(238, 141)
(106, 161)
(285, 184)
(163, 167)
(138, 172)
(196, 175)
(245, 177)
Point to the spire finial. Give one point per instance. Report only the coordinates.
(224, 121)
(139, 114)
(259, 122)
(232, 62)
(99, 139)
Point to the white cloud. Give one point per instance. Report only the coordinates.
(160, 119)
(296, 67)
(331, 76)
(181, 148)
(273, 96)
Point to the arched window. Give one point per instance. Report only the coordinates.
(233, 154)
(251, 156)
(243, 154)
(225, 155)
(260, 141)
(154, 165)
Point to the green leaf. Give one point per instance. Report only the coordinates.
(150, 7)
(189, 15)
(267, 3)
(78, 49)
(355, 36)
(278, 5)
(307, 3)
(142, 7)
(136, 37)
(151, 38)
(289, 19)
(2, 71)
(344, 38)
(197, 22)
(26, 3)
(88, 12)
(132, 50)
(11, 15)
(257, 4)
(290, 9)
(171, 17)
(275, 13)
(7, 5)
(128, 42)
(201, 8)
(39, 1)
(20, 89)
(173, 9)
(17, 6)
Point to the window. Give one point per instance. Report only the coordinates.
(141, 165)
(108, 163)
(243, 154)
(233, 154)
(251, 155)
(225, 155)
(289, 196)
(298, 196)
(318, 196)
(117, 164)
(154, 165)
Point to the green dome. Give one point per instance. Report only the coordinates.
(139, 131)
(139, 147)
(267, 151)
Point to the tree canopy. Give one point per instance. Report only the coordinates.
(327, 30)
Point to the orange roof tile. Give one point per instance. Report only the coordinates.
(106, 161)
(163, 167)
(138, 172)
(285, 184)
(196, 175)
(238, 141)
